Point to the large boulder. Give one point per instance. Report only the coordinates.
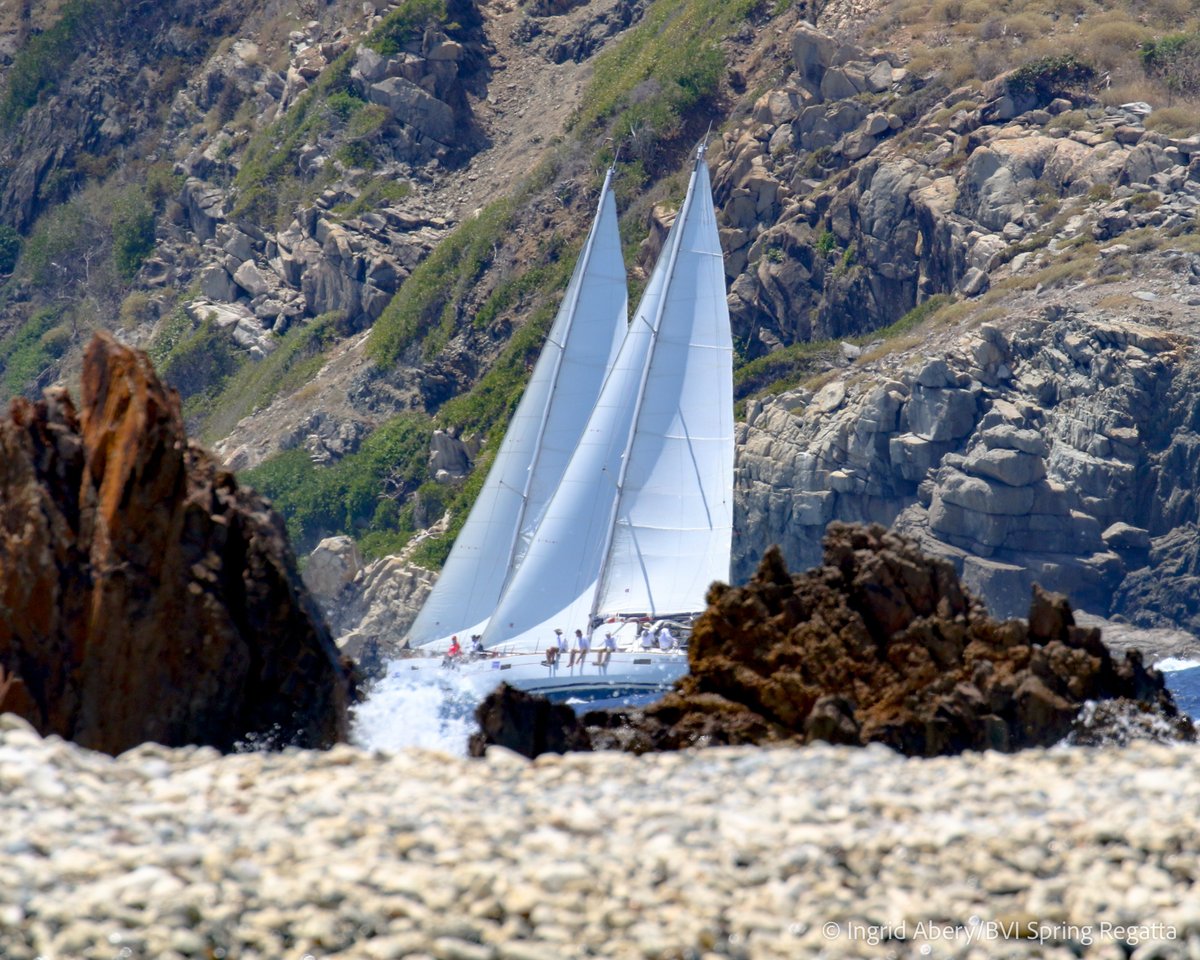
(144, 595)
(526, 723)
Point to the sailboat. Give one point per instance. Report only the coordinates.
(640, 521)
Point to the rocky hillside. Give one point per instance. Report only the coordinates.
(960, 244)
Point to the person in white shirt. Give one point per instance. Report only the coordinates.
(646, 637)
(555, 647)
(665, 640)
(604, 654)
(581, 649)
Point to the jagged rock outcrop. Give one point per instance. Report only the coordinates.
(143, 594)
(378, 606)
(882, 644)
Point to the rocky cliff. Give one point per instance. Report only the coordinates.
(145, 595)
(321, 219)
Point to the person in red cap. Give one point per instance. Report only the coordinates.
(455, 650)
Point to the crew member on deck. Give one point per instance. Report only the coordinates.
(581, 649)
(665, 640)
(646, 637)
(604, 654)
(558, 644)
(455, 650)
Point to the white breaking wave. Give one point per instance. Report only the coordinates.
(1172, 664)
(401, 712)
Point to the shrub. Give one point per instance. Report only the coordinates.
(1174, 60)
(1111, 44)
(404, 25)
(1049, 77)
(1174, 121)
(201, 361)
(26, 353)
(358, 495)
(133, 232)
(10, 248)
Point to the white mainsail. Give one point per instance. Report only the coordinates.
(642, 520)
(545, 429)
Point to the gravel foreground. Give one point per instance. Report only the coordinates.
(736, 852)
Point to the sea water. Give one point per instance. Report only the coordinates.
(1183, 680)
(402, 712)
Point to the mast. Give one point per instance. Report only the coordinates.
(673, 526)
(553, 412)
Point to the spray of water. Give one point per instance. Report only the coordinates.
(402, 712)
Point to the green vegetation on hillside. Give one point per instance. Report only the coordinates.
(360, 494)
(45, 59)
(30, 350)
(256, 383)
(1175, 61)
(663, 73)
(431, 302)
(269, 184)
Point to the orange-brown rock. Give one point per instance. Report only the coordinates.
(882, 644)
(145, 596)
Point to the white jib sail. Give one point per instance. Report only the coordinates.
(554, 409)
(673, 412)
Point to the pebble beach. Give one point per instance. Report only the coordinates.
(748, 853)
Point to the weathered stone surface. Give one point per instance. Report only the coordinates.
(941, 414)
(333, 564)
(881, 644)
(416, 108)
(146, 596)
(1012, 467)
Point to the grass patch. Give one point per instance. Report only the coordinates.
(294, 363)
(380, 192)
(33, 347)
(660, 74)
(428, 306)
(780, 369)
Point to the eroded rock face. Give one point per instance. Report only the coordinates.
(145, 596)
(882, 644)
